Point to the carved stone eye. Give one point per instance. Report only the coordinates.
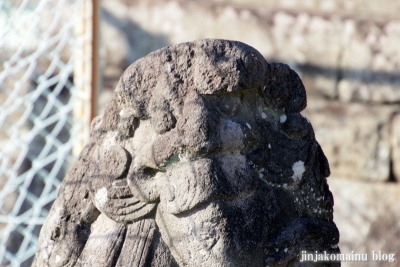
(276, 96)
(296, 126)
(162, 118)
(163, 121)
(229, 104)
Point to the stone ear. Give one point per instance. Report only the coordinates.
(95, 127)
(323, 162)
(284, 91)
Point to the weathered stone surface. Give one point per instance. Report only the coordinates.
(355, 138)
(367, 215)
(200, 159)
(395, 145)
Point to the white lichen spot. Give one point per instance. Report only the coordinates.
(277, 249)
(263, 115)
(298, 170)
(269, 146)
(58, 258)
(260, 175)
(282, 118)
(101, 197)
(122, 112)
(285, 250)
(248, 125)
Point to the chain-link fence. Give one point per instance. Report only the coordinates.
(45, 109)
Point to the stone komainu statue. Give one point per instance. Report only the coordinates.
(200, 159)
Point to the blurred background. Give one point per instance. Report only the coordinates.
(61, 60)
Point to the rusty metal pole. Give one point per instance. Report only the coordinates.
(86, 78)
(95, 79)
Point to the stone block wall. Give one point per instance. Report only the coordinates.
(346, 53)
